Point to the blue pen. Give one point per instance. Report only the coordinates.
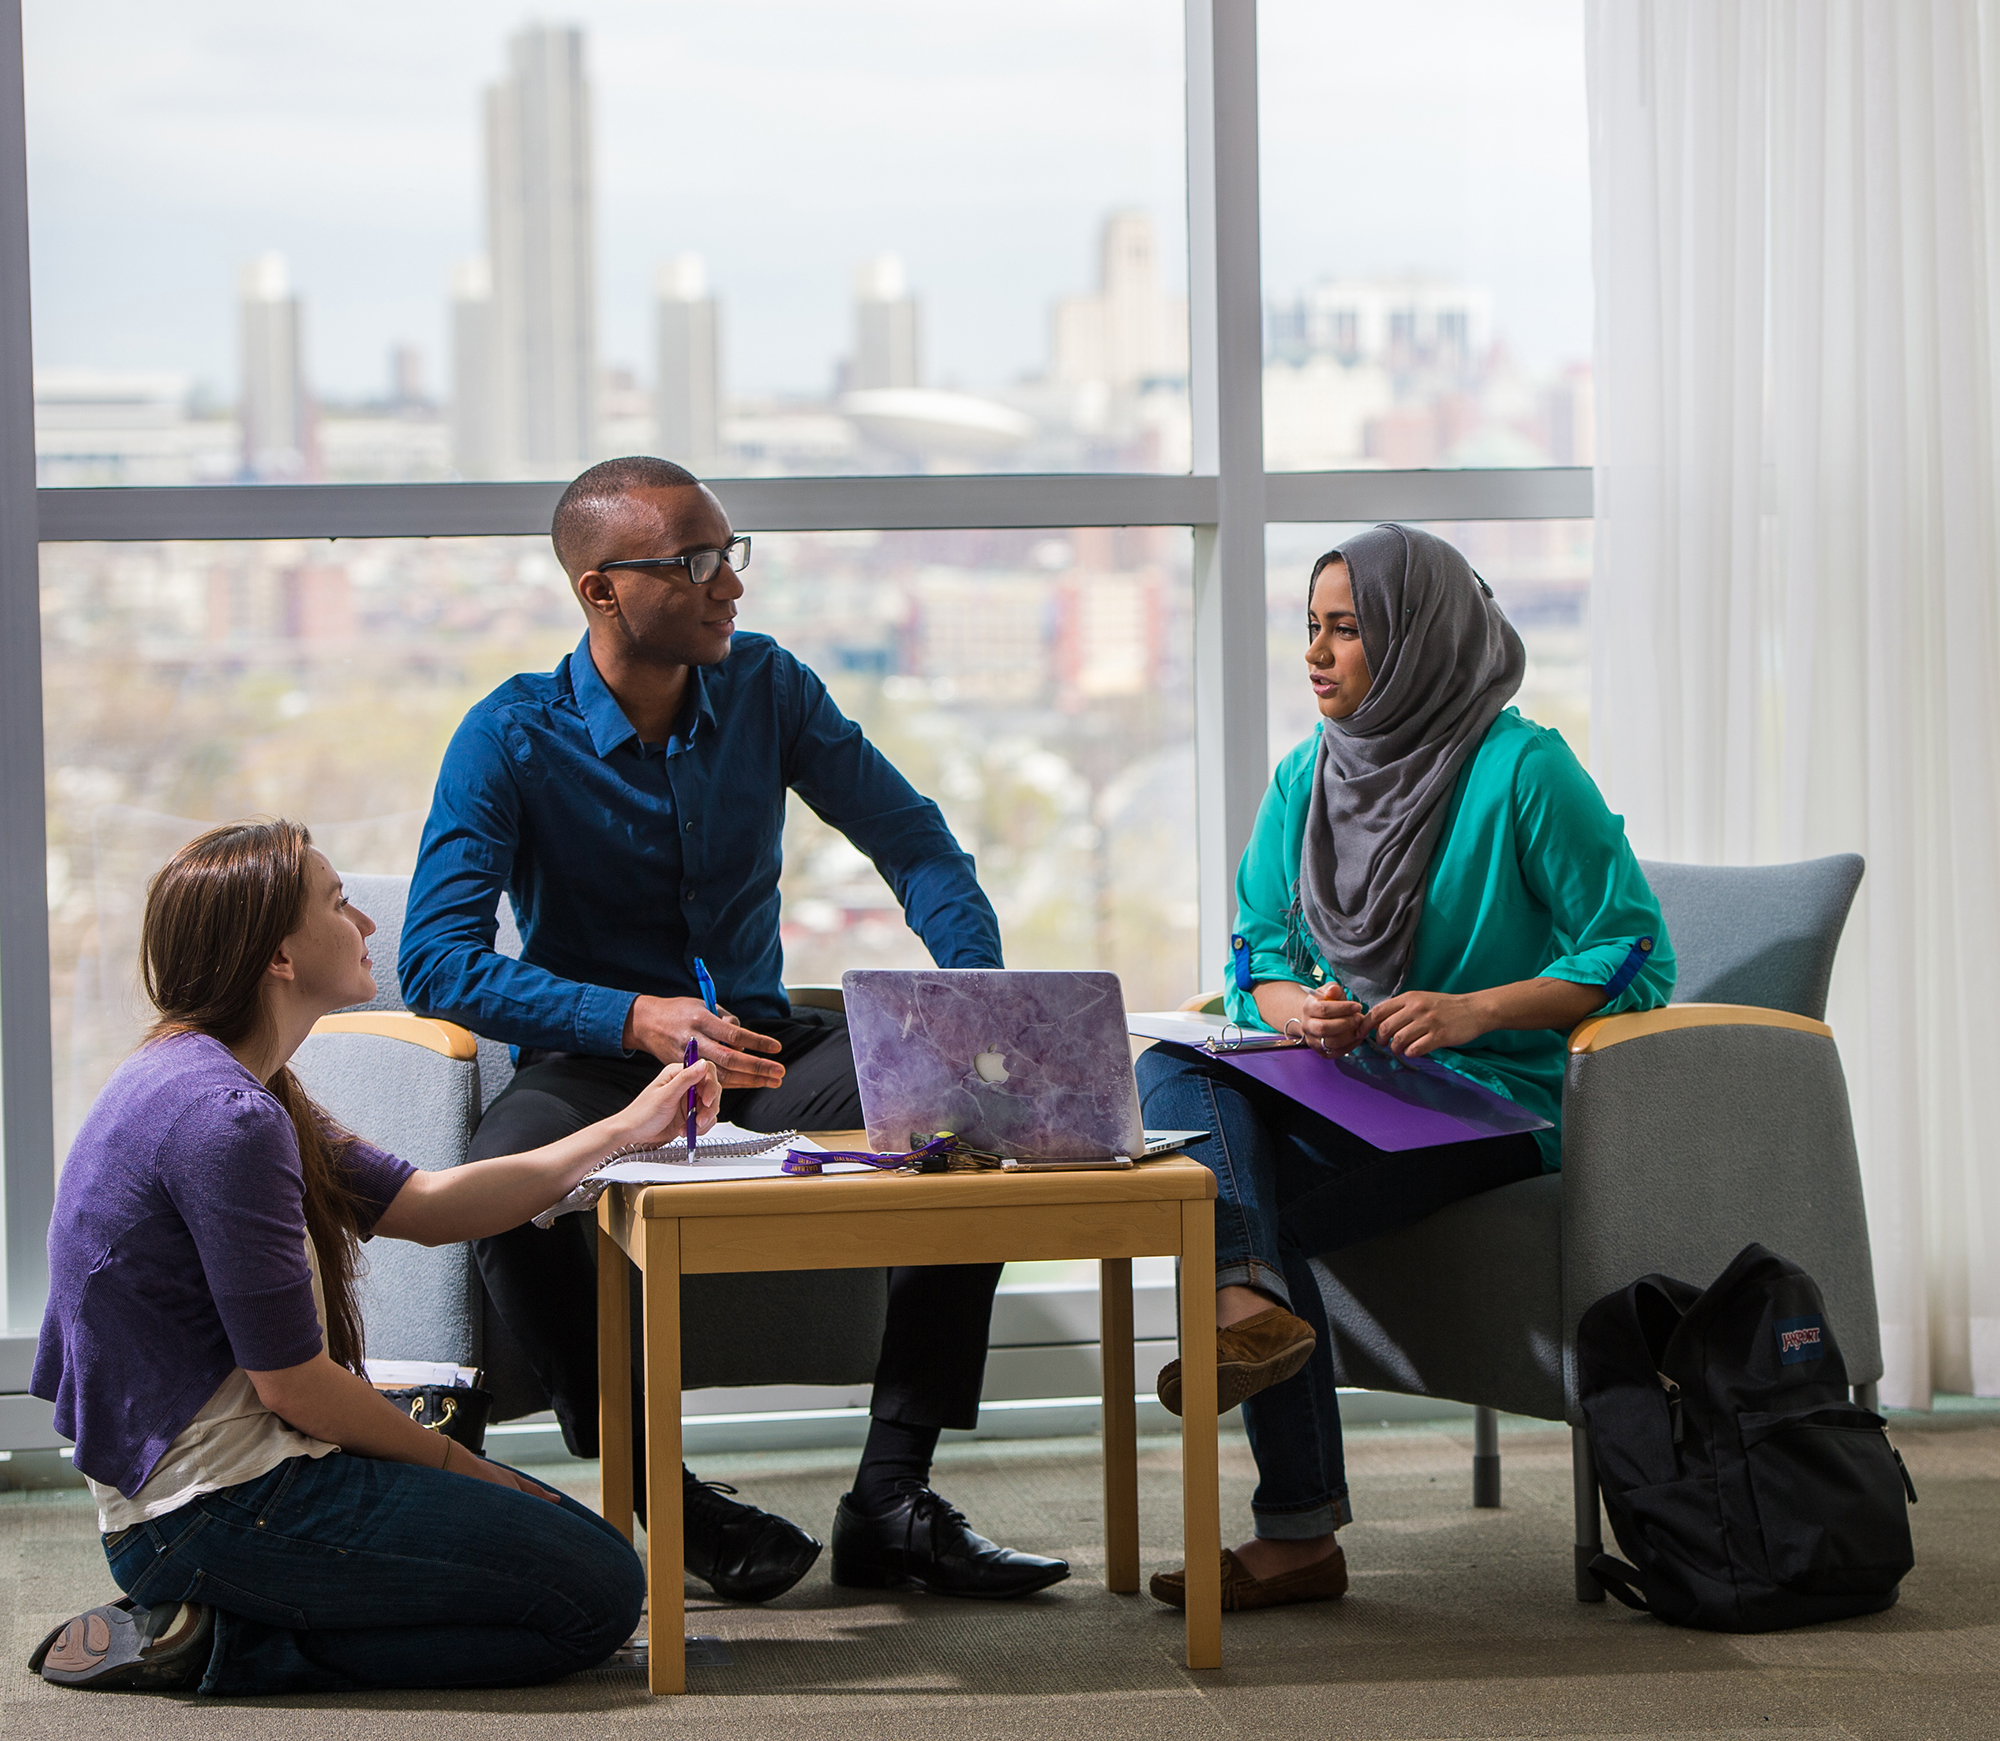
(689, 1059)
(706, 984)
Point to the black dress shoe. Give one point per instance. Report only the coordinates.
(925, 1541)
(741, 1553)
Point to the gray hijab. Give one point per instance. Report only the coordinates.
(1444, 662)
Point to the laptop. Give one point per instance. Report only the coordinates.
(1031, 1067)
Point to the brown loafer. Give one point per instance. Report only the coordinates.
(1251, 1356)
(1322, 1581)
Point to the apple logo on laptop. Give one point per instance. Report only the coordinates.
(991, 1065)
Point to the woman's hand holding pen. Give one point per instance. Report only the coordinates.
(664, 1025)
(1413, 1023)
(659, 1113)
(1330, 1022)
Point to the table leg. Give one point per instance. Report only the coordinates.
(614, 1385)
(666, 1626)
(1201, 1526)
(1121, 1445)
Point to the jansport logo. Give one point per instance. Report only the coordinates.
(1800, 1339)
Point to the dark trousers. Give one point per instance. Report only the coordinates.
(544, 1283)
(1291, 1185)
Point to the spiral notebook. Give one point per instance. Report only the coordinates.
(723, 1142)
(727, 1153)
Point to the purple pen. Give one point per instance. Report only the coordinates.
(689, 1061)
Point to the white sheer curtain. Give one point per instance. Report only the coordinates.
(1796, 611)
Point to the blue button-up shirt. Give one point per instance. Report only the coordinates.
(625, 860)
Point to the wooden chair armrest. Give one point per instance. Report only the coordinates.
(447, 1038)
(1599, 1032)
(816, 997)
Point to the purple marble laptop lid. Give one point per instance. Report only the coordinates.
(1034, 1065)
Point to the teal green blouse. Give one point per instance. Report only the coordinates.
(1532, 879)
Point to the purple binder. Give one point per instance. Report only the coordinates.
(1393, 1103)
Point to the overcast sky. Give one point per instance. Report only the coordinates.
(785, 140)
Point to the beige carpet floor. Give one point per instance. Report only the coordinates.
(1460, 1623)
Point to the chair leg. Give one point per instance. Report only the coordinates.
(1485, 1458)
(1589, 1520)
(1865, 1395)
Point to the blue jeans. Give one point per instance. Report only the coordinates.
(342, 1573)
(1291, 1185)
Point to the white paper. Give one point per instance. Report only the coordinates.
(721, 1140)
(770, 1164)
(703, 1171)
(1180, 1026)
(408, 1374)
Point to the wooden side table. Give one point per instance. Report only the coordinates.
(1160, 1208)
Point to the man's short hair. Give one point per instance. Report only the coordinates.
(587, 503)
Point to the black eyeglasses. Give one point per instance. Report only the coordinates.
(701, 566)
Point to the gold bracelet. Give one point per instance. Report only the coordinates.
(446, 1464)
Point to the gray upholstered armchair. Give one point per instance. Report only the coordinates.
(1687, 1133)
(416, 1085)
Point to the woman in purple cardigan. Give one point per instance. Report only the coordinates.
(276, 1523)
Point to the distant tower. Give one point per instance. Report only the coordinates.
(475, 373)
(276, 411)
(1130, 330)
(406, 377)
(687, 391)
(885, 327)
(541, 242)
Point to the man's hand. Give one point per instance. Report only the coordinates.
(664, 1025)
(1413, 1023)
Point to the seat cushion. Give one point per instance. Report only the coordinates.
(1466, 1305)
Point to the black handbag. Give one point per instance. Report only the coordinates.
(459, 1411)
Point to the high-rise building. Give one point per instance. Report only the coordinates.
(476, 444)
(541, 246)
(276, 411)
(1129, 330)
(886, 335)
(406, 378)
(687, 374)
(1401, 323)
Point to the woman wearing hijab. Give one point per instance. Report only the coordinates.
(1431, 874)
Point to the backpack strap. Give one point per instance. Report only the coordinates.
(1619, 1580)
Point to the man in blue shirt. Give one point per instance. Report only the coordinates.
(632, 804)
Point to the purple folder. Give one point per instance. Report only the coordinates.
(1393, 1103)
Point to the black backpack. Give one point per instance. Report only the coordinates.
(1746, 1488)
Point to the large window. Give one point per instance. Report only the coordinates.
(1035, 682)
(769, 237)
(967, 309)
(1426, 234)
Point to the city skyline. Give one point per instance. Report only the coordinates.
(1398, 372)
(369, 181)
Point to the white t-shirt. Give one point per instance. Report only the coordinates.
(234, 1439)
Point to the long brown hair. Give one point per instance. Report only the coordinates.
(215, 915)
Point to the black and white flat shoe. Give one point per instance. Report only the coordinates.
(121, 1646)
